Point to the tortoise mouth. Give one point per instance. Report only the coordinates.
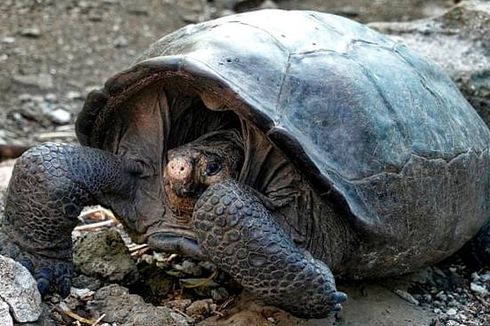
(175, 238)
(175, 243)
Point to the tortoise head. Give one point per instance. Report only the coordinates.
(188, 171)
(193, 167)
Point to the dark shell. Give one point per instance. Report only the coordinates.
(370, 123)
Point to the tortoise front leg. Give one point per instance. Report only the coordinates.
(50, 185)
(240, 235)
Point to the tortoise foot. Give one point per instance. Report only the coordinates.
(239, 234)
(50, 273)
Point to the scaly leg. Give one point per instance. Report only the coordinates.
(50, 185)
(239, 234)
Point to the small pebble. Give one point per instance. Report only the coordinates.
(121, 42)
(25, 97)
(478, 289)
(59, 116)
(7, 40)
(180, 304)
(190, 268)
(485, 277)
(406, 296)
(200, 308)
(33, 32)
(73, 95)
(51, 97)
(451, 312)
(219, 294)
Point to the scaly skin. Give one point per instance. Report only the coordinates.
(51, 184)
(240, 235)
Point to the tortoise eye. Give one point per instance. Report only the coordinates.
(213, 168)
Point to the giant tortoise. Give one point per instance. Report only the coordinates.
(284, 146)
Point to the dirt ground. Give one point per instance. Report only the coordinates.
(52, 53)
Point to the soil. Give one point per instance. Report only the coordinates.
(52, 53)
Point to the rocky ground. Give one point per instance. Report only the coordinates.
(53, 52)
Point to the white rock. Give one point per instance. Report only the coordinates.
(59, 116)
(74, 95)
(7, 40)
(478, 289)
(485, 277)
(5, 318)
(406, 296)
(451, 312)
(19, 290)
(33, 32)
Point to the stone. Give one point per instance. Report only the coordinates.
(123, 308)
(18, 290)
(33, 32)
(478, 288)
(121, 42)
(451, 312)
(188, 267)
(59, 116)
(200, 308)
(5, 318)
(406, 296)
(104, 254)
(41, 81)
(74, 95)
(7, 40)
(458, 42)
(84, 281)
(179, 304)
(485, 277)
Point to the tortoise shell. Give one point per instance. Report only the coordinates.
(383, 134)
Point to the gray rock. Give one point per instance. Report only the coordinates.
(406, 296)
(459, 41)
(188, 267)
(123, 308)
(59, 116)
(41, 81)
(74, 95)
(33, 32)
(84, 281)
(478, 288)
(5, 318)
(451, 312)
(104, 254)
(18, 290)
(121, 42)
(7, 40)
(485, 277)
(220, 294)
(201, 308)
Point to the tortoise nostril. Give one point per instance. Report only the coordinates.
(181, 168)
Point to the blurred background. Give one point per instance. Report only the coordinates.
(52, 53)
